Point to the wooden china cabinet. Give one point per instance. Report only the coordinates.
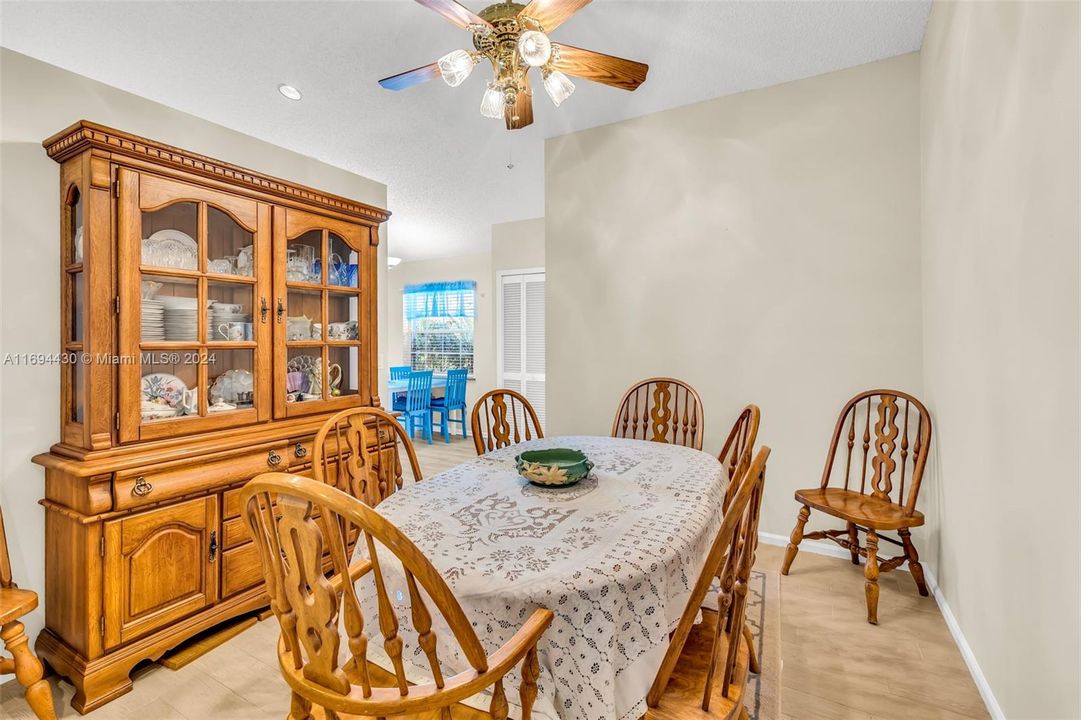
(212, 318)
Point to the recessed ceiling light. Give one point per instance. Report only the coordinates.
(289, 91)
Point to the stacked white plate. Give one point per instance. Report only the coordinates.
(181, 318)
(152, 321)
(221, 314)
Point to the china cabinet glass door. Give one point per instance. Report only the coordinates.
(320, 313)
(194, 313)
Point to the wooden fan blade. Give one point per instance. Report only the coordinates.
(455, 12)
(408, 79)
(598, 67)
(520, 113)
(552, 13)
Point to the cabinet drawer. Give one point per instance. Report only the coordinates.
(234, 532)
(136, 489)
(240, 569)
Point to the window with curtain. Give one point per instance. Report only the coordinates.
(438, 322)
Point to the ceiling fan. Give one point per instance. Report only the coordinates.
(514, 38)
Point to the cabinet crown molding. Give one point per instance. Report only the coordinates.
(84, 135)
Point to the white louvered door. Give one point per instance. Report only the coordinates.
(521, 337)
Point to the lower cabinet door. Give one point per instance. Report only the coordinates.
(160, 566)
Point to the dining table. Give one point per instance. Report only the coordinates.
(614, 557)
(396, 387)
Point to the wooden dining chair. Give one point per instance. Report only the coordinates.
(730, 557)
(893, 431)
(312, 518)
(453, 400)
(662, 410)
(357, 451)
(503, 417)
(14, 604)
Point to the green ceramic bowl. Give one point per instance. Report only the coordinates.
(554, 467)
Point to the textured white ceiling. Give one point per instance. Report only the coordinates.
(444, 164)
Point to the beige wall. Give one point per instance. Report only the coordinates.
(518, 245)
(762, 246)
(1000, 121)
(37, 100)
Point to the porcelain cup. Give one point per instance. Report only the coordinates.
(233, 330)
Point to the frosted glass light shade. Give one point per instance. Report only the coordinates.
(534, 47)
(558, 86)
(491, 105)
(455, 67)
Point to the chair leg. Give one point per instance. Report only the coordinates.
(300, 708)
(914, 566)
(28, 671)
(854, 543)
(795, 539)
(870, 573)
(752, 655)
(465, 425)
(428, 428)
(444, 425)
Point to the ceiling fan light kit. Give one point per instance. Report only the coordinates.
(515, 38)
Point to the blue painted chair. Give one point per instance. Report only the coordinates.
(398, 372)
(418, 404)
(453, 399)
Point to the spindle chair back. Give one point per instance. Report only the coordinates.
(501, 418)
(663, 410)
(738, 446)
(295, 521)
(358, 451)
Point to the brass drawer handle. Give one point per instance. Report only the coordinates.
(142, 487)
(300, 450)
(273, 458)
(213, 546)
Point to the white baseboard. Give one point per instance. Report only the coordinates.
(823, 547)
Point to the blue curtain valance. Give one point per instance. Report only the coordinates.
(440, 299)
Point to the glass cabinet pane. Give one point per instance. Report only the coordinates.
(230, 374)
(75, 223)
(305, 317)
(169, 309)
(342, 371)
(170, 381)
(229, 247)
(78, 293)
(78, 383)
(169, 236)
(304, 375)
(230, 312)
(341, 316)
(344, 263)
(303, 258)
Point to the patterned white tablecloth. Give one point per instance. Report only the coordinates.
(613, 557)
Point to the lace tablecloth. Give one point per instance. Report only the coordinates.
(613, 557)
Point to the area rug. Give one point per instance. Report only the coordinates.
(763, 699)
